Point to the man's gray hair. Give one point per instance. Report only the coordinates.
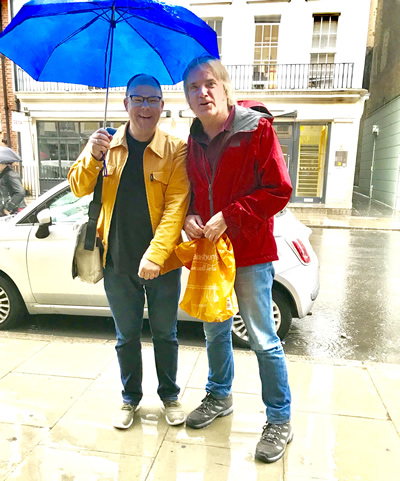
(219, 72)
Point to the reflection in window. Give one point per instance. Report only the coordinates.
(68, 208)
(48, 129)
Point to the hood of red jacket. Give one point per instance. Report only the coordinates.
(258, 107)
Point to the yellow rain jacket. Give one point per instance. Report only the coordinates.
(167, 190)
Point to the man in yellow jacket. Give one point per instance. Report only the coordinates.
(145, 199)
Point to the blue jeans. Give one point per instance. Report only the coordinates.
(253, 286)
(126, 297)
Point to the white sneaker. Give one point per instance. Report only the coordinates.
(174, 413)
(123, 418)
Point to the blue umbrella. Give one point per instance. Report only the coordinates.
(103, 43)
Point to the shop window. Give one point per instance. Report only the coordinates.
(60, 144)
(283, 131)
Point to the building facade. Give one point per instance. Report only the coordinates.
(303, 59)
(378, 160)
(8, 136)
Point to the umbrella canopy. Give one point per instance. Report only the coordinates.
(103, 43)
(8, 156)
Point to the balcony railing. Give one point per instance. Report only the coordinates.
(292, 76)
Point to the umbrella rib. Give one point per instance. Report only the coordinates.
(79, 30)
(167, 27)
(148, 43)
(69, 37)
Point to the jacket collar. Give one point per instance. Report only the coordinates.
(245, 120)
(157, 143)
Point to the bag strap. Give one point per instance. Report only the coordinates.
(94, 212)
(95, 205)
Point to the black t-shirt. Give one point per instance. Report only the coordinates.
(130, 230)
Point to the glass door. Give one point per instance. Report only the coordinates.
(308, 169)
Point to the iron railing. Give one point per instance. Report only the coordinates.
(294, 76)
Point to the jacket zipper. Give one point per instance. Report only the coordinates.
(210, 181)
(210, 198)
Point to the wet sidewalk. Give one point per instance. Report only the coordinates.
(57, 396)
(365, 214)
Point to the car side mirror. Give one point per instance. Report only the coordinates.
(44, 218)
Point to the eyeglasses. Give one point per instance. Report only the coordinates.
(138, 100)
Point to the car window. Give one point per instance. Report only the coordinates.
(65, 207)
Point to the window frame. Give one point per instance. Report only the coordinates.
(214, 20)
(328, 49)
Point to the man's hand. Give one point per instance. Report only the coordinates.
(215, 227)
(99, 142)
(6, 212)
(148, 269)
(193, 227)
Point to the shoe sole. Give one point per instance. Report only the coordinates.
(264, 459)
(126, 426)
(209, 421)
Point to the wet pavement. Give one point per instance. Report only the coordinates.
(57, 397)
(357, 312)
(365, 214)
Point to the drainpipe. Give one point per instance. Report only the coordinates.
(6, 107)
(3, 73)
(375, 133)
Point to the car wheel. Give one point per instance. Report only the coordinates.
(282, 317)
(12, 308)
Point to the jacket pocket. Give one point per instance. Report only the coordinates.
(162, 177)
(110, 169)
(158, 186)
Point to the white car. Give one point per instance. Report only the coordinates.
(35, 270)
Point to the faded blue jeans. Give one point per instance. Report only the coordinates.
(126, 296)
(253, 286)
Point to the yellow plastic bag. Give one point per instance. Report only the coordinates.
(209, 294)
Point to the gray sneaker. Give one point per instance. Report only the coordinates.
(209, 409)
(174, 413)
(123, 418)
(273, 442)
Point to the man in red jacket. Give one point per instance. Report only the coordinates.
(239, 181)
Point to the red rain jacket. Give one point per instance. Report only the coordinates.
(250, 183)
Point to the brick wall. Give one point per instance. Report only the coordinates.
(8, 66)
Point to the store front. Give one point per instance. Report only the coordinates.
(59, 145)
